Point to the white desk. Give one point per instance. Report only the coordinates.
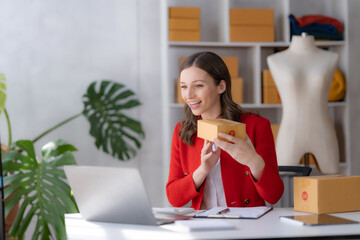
(268, 226)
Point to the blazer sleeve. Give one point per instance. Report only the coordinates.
(180, 188)
(270, 186)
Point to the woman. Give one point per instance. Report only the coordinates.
(237, 174)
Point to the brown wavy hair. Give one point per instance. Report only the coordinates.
(215, 67)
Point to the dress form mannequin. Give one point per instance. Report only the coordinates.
(303, 74)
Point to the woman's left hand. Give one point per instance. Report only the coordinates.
(243, 152)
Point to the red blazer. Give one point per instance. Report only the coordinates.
(240, 189)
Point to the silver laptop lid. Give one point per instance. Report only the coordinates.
(110, 194)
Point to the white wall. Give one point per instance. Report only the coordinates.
(51, 50)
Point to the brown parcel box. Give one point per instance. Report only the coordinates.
(180, 35)
(252, 25)
(184, 12)
(327, 194)
(270, 93)
(179, 98)
(209, 129)
(249, 33)
(251, 16)
(237, 89)
(232, 63)
(186, 24)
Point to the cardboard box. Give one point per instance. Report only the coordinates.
(237, 89)
(251, 16)
(327, 194)
(190, 24)
(267, 79)
(252, 25)
(184, 12)
(179, 98)
(270, 94)
(275, 129)
(181, 35)
(252, 33)
(232, 64)
(209, 129)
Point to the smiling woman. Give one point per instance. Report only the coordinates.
(242, 173)
(200, 92)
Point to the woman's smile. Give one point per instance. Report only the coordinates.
(194, 105)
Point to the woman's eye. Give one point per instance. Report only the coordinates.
(199, 85)
(183, 87)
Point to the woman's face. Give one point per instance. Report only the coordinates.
(200, 93)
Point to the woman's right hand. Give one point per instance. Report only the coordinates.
(208, 160)
(209, 157)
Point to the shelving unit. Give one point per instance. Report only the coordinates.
(252, 58)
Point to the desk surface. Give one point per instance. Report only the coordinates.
(267, 227)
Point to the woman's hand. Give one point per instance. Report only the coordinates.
(243, 152)
(209, 157)
(208, 160)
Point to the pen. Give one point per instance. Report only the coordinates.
(223, 211)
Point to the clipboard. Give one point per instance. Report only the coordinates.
(234, 212)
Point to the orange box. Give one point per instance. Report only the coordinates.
(327, 194)
(232, 64)
(275, 129)
(179, 98)
(176, 35)
(184, 24)
(267, 79)
(270, 95)
(184, 12)
(252, 33)
(237, 89)
(209, 129)
(251, 16)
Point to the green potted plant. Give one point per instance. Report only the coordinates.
(38, 186)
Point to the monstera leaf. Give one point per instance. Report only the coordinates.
(114, 132)
(40, 186)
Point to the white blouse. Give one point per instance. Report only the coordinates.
(214, 191)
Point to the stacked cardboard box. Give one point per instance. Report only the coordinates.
(232, 64)
(251, 25)
(270, 93)
(184, 24)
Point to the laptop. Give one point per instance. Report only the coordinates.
(112, 194)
